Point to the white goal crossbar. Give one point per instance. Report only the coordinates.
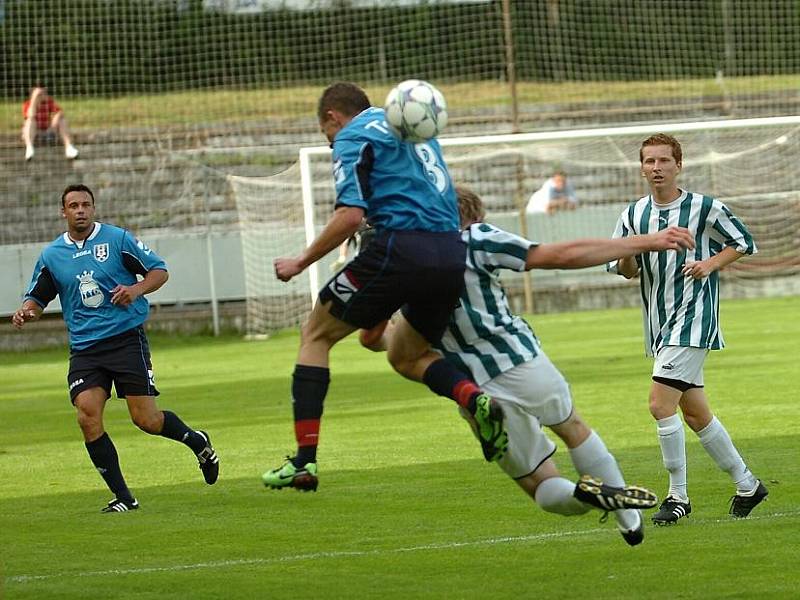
(307, 153)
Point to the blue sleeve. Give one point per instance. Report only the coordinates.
(352, 163)
(138, 258)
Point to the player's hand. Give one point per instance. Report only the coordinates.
(674, 238)
(286, 268)
(22, 316)
(123, 295)
(697, 269)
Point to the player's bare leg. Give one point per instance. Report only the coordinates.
(558, 495)
(590, 456)
(146, 415)
(90, 404)
(717, 442)
(309, 388)
(664, 400)
(376, 339)
(410, 354)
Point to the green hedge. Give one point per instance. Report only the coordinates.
(108, 47)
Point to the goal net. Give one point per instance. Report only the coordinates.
(166, 98)
(746, 164)
(232, 84)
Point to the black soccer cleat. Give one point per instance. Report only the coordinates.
(741, 506)
(117, 506)
(635, 536)
(608, 497)
(671, 510)
(208, 459)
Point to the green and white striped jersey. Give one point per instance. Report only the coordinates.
(678, 310)
(484, 337)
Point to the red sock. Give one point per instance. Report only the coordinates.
(306, 432)
(464, 391)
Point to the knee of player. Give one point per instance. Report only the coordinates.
(661, 408)
(400, 362)
(315, 335)
(697, 421)
(89, 420)
(148, 422)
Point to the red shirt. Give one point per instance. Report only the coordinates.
(46, 109)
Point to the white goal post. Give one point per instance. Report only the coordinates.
(749, 164)
(307, 153)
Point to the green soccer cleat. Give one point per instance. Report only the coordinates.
(303, 479)
(489, 419)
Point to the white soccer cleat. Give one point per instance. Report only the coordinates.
(71, 152)
(28, 152)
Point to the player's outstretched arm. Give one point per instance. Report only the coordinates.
(343, 223)
(579, 254)
(29, 311)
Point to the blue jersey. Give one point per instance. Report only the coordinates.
(83, 274)
(400, 185)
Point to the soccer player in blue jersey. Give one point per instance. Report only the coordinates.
(680, 295)
(485, 338)
(93, 268)
(414, 262)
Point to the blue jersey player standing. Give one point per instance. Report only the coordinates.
(415, 262)
(93, 268)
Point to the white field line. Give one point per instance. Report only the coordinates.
(221, 564)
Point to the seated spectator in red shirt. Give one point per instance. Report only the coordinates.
(42, 115)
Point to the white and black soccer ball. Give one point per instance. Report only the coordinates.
(416, 111)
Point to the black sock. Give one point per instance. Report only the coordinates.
(309, 388)
(177, 430)
(106, 461)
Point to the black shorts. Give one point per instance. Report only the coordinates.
(123, 360)
(421, 272)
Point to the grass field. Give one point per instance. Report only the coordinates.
(231, 106)
(406, 506)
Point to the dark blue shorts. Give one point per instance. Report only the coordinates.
(421, 272)
(123, 360)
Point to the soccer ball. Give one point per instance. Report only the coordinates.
(415, 111)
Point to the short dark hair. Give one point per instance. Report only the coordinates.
(347, 98)
(663, 139)
(75, 187)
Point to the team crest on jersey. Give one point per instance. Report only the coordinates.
(100, 252)
(343, 287)
(91, 294)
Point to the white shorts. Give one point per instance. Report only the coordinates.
(532, 394)
(681, 363)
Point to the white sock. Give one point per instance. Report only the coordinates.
(555, 495)
(672, 439)
(593, 458)
(718, 444)
(634, 522)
